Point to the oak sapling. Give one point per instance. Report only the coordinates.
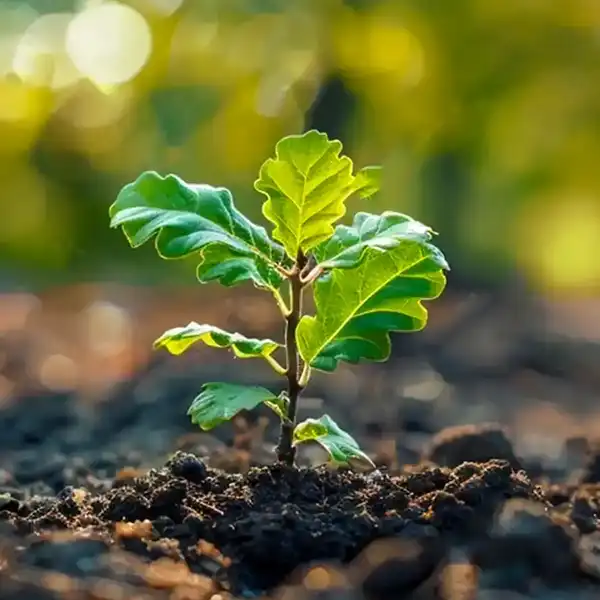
(368, 278)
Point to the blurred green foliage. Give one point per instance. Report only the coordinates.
(485, 114)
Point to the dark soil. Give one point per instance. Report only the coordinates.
(189, 527)
(91, 506)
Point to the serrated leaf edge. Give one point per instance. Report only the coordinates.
(307, 243)
(333, 337)
(119, 219)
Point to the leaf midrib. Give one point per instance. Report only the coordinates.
(304, 176)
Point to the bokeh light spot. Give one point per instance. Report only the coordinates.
(108, 328)
(41, 58)
(58, 372)
(317, 579)
(14, 20)
(109, 43)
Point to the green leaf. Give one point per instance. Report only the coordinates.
(306, 185)
(179, 339)
(346, 248)
(220, 402)
(341, 446)
(358, 307)
(188, 218)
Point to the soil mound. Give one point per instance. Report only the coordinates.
(188, 525)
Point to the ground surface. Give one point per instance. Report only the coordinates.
(267, 524)
(123, 499)
(92, 506)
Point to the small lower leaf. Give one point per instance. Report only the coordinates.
(179, 339)
(220, 402)
(341, 446)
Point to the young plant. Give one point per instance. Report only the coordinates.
(368, 278)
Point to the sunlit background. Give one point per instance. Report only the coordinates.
(485, 114)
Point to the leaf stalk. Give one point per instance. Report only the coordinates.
(279, 369)
(283, 307)
(312, 275)
(305, 377)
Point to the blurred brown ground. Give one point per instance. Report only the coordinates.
(87, 338)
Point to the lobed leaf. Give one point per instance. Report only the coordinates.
(346, 248)
(220, 402)
(306, 185)
(179, 339)
(357, 308)
(341, 446)
(187, 218)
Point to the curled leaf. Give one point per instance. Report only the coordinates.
(187, 218)
(341, 446)
(179, 339)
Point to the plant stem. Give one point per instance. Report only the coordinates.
(286, 453)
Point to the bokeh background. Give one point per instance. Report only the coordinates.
(485, 114)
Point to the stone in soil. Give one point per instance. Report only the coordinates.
(476, 443)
